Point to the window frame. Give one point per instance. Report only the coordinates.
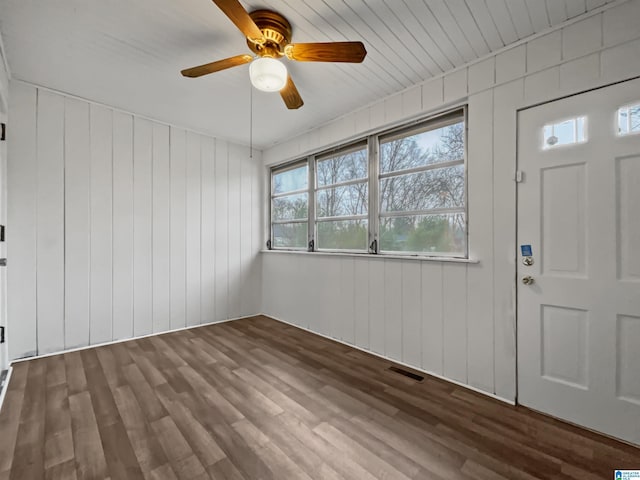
(281, 169)
(446, 119)
(372, 143)
(344, 149)
(630, 132)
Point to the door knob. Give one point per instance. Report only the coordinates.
(528, 280)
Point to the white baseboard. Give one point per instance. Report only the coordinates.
(112, 342)
(384, 357)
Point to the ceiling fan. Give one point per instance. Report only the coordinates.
(269, 37)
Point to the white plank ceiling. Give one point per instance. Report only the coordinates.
(128, 54)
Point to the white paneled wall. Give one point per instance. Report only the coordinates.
(120, 226)
(432, 315)
(454, 320)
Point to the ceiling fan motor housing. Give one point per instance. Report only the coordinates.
(276, 30)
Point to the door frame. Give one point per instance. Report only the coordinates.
(4, 349)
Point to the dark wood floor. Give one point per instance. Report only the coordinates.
(257, 399)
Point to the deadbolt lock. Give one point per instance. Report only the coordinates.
(527, 261)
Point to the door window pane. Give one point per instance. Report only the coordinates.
(566, 132)
(629, 120)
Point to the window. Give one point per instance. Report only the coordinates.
(566, 132)
(400, 192)
(342, 200)
(629, 120)
(290, 206)
(422, 189)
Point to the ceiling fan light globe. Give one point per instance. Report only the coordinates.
(268, 74)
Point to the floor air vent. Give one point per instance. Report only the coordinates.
(406, 373)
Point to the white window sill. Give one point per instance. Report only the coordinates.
(421, 258)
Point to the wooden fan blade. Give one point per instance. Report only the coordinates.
(290, 95)
(239, 16)
(216, 66)
(351, 52)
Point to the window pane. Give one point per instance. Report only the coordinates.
(434, 146)
(290, 207)
(342, 168)
(424, 234)
(343, 234)
(342, 201)
(634, 113)
(629, 120)
(439, 188)
(566, 132)
(580, 129)
(290, 235)
(291, 180)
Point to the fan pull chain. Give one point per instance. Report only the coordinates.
(250, 120)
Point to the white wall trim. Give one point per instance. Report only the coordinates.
(371, 256)
(384, 357)
(112, 342)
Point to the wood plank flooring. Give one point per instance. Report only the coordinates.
(258, 399)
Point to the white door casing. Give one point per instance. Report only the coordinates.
(4, 356)
(579, 209)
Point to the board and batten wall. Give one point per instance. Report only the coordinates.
(119, 226)
(455, 320)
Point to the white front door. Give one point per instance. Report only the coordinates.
(579, 210)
